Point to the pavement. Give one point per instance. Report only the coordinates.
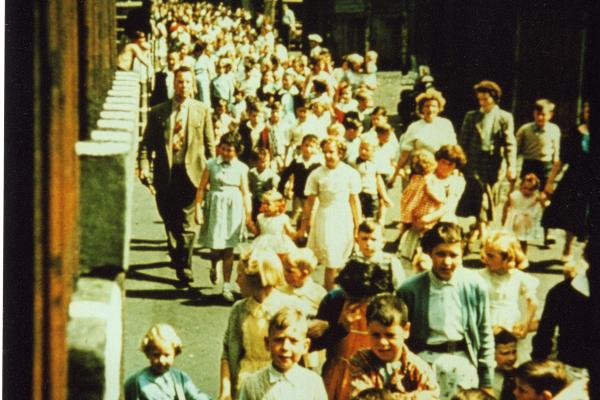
(152, 293)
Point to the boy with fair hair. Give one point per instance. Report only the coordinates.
(160, 380)
(301, 263)
(284, 378)
(389, 364)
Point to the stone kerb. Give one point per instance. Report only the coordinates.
(94, 337)
(105, 205)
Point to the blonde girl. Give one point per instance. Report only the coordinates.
(244, 351)
(161, 345)
(274, 228)
(523, 210)
(504, 262)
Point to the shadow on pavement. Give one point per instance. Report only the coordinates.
(147, 241)
(135, 274)
(162, 294)
(546, 267)
(209, 300)
(147, 248)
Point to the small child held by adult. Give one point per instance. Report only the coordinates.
(284, 378)
(388, 363)
(259, 273)
(434, 196)
(523, 210)
(161, 380)
(369, 243)
(422, 164)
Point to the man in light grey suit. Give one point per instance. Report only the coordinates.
(177, 142)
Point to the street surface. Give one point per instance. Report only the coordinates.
(200, 316)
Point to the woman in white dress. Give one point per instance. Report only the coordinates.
(336, 185)
(429, 133)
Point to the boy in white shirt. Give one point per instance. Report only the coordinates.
(284, 378)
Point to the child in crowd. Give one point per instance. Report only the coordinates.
(274, 229)
(244, 352)
(226, 120)
(523, 210)
(342, 324)
(161, 380)
(370, 75)
(323, 118)
(540, 380)
(504, 261)
(301, 263)
(370, 250)
(238, 108)
(303, 126)
(261, 179)
(222, 210)
(538, 142)
(386, 150)
(373, 191)
(506, 358)
(250, 133)
(275, 137)
(298, 172)
(346, 103)
(284, 378)
(336, 130)
(336, 185)
(388, 363)
(567, 308)
(353, 127)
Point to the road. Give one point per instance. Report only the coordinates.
(198, 314)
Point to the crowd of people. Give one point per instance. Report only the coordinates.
(249, 144)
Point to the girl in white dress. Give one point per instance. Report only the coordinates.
(336, 185)
(508, 284)
(274, 229)
(523, 210)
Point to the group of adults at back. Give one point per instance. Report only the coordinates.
(239, 85)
